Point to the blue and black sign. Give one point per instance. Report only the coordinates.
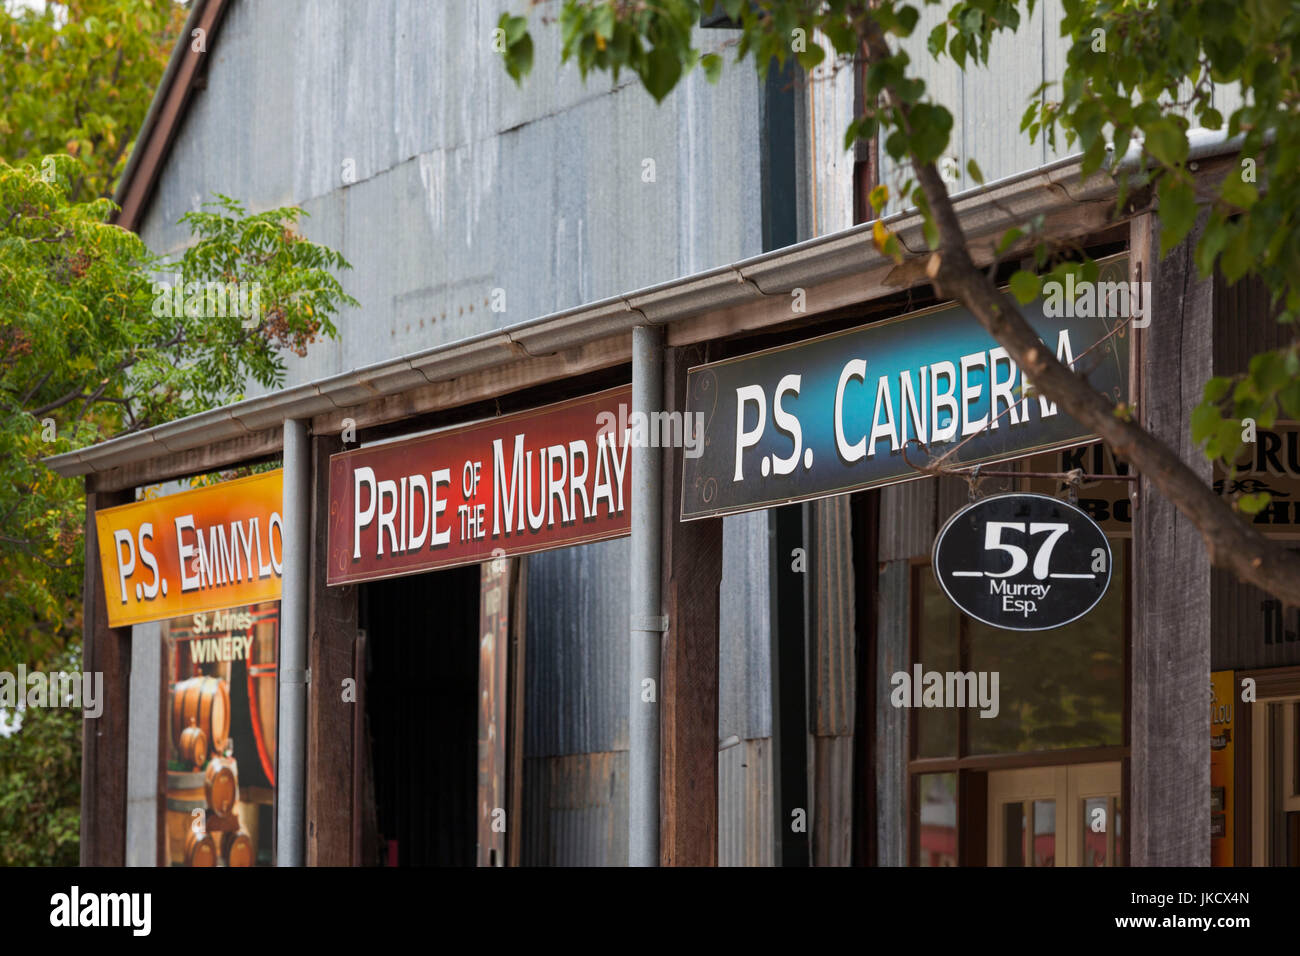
(833, 414)
(1022, 562)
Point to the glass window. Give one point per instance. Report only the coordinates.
(1044, 833)
(1057, 689)
(937, 650)
(1014, 816)
(937, 808)
(1103, 843)
(1015, 848)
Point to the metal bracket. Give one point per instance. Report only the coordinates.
(653, 623)
(293, 675)
(1074, 477)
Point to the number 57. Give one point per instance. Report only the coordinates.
(1019, 559)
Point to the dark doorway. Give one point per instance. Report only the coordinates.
(421, 700)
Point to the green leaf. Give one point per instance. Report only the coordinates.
(878, 197)
(1238, 192)
(1009, 239)
(1254, 503)
(1205, 419)
(907, 18)
(519, 59)
(603, 21)
(712, 64)
(1120, 144)
(860, 129)
(1289, 397)
(1236, 259)
(973, 170)
(660, 72)
(1213, 239)
(1025, 286)
(930, 128)
(1177, 211)
(930, 231)
(1268, 372)
(937, 40)
(896, 145)
(515, 28)
(957, 50)
(811, 56)
(1216, 389)
(1225, 441)
(1166, 141)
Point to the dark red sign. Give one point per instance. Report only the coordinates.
(542, 479)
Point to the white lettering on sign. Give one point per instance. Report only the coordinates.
(232, 647)
(935, 404)
(560, 478)
(945, 406)
(215, 556)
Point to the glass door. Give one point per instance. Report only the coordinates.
(1275, 787)
(1055, 816)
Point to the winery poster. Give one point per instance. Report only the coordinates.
(219, 712)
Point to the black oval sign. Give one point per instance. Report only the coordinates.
(1023, 562)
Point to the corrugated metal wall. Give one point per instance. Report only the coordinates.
(575, 810)
(832, 677)
(575, 723)
(575, 706)
(394, 124)
(745, 826)
(745, 811)
(987, 102)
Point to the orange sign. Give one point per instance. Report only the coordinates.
(1222, 805)
(200, 550)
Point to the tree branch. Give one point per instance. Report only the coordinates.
(1232, 544)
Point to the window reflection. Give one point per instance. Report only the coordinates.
(1044, 833)
(1014, 849)
(1098, 816)
(937, 803)
(1059, 688)
(936, 727)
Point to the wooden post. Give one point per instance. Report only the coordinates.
(332, 629)
(692, 574)
(1169, 795)
(515, 710)
(104, 650)
(495, 586)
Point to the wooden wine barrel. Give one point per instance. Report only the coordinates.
(237, 848)
(206, 701)
(184, 796)
(221, 785)
(194, 745)
(200, 849)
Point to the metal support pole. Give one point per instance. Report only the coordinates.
(647, 624)
(291, 752)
